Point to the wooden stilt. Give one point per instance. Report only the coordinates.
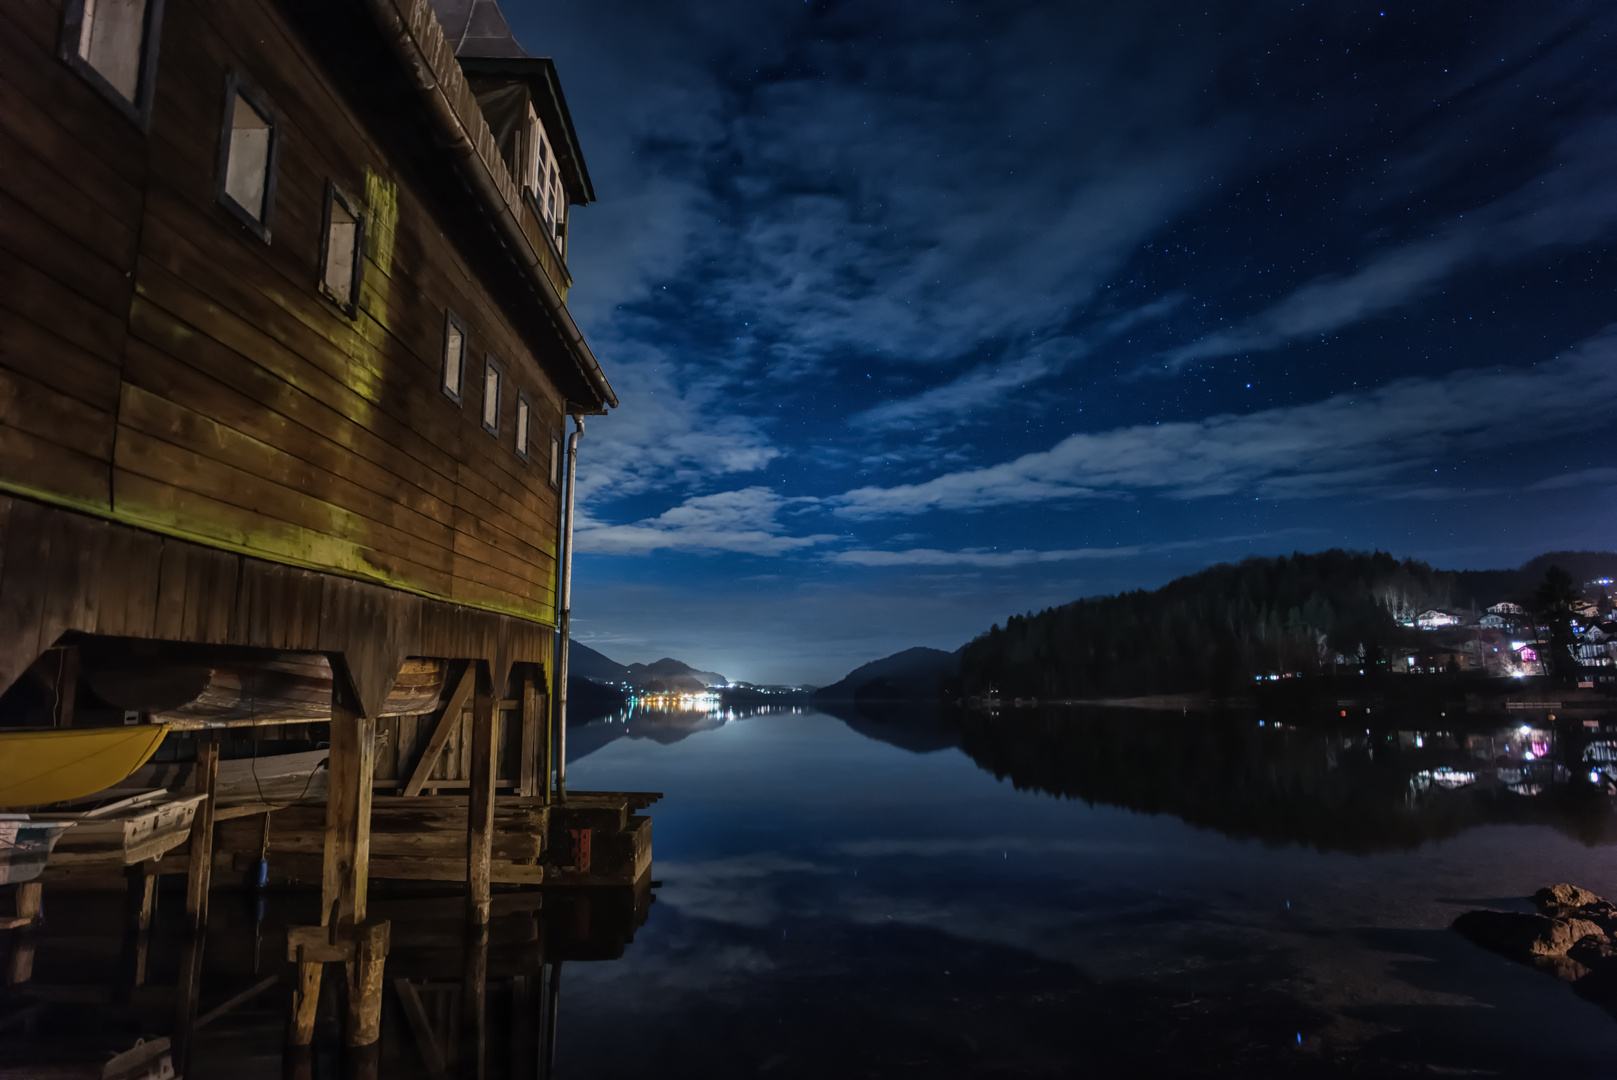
(365, 988)
(473, 1055)
(200, 870)
(140, 903)
(531, 735)
(30, 901)
(305, 1000)
(185, 1001)
(352, 764)
(480, 804)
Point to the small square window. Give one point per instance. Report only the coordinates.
(247, 149)
(524, 411)
(555, 459)
(493, 378)
(341, 249)
(113, 44)
(454, 355)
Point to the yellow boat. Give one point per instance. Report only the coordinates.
(39, 767)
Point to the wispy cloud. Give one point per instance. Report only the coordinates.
(1573, 203)
(742, 521)
(1356, 442)
(974, 557)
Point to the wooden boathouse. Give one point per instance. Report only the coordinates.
(285, 369)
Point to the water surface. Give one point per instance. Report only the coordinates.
(1050, 894)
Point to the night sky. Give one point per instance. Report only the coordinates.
(925, 313)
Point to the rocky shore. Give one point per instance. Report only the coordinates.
(1574, 938)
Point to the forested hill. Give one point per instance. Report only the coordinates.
(1215, 629)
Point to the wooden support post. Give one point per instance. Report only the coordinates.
(480, 804)
(139, 903)
(531, 728)
(30, 901)
(365, 987)
(546, 746)
(352, 765)
(446, 727)
(200, 871)
(186, 996)
(305, 1000)
(474, 1007)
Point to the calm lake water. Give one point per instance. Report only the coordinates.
(1037, 894)
(1056, 894)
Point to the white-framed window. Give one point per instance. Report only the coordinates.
(493, 385)
(555, 459)
(113, 44)
(524, 421)
(342, 247)
(248, 144)
(454, 370)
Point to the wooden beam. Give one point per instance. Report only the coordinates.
(199, 872)
(440, 734)
(532, 726)
(480, 804)
(365, 988)
(345, 873)
(432, 1057)
(240, 999)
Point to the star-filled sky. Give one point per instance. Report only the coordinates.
(924, 313)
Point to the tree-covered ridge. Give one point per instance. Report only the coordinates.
(1216, 629)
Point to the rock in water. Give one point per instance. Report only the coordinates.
(1575, 939)
(1522, 937)
(1567, 900)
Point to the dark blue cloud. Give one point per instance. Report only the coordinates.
(926, 312)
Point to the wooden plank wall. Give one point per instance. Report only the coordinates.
(161, 365)
(63, 571)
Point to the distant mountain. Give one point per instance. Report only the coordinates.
(664, 676)
(584, 662)
(913, 674)
(669, 675)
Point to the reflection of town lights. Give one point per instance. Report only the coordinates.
(1528, 756)
(1524, 730)
(1594, 776)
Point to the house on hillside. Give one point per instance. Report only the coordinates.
(285, 337)
(1435, 619)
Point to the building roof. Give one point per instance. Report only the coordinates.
(477, 28)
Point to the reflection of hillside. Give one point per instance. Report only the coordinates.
(912, 725)
(1346, 791)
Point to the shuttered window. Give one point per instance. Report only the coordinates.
(341, 249)
(493, 378)
(113, 44)
(247, 149)
(524, 413)
(454, 372)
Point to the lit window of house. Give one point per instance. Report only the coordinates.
(524, 411)
(113, 44)
(341, 246)
(454, 371)
(493, 378)
(247, 149)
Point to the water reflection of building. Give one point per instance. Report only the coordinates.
(484, 1005)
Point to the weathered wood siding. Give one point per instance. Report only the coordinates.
(162, 366)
